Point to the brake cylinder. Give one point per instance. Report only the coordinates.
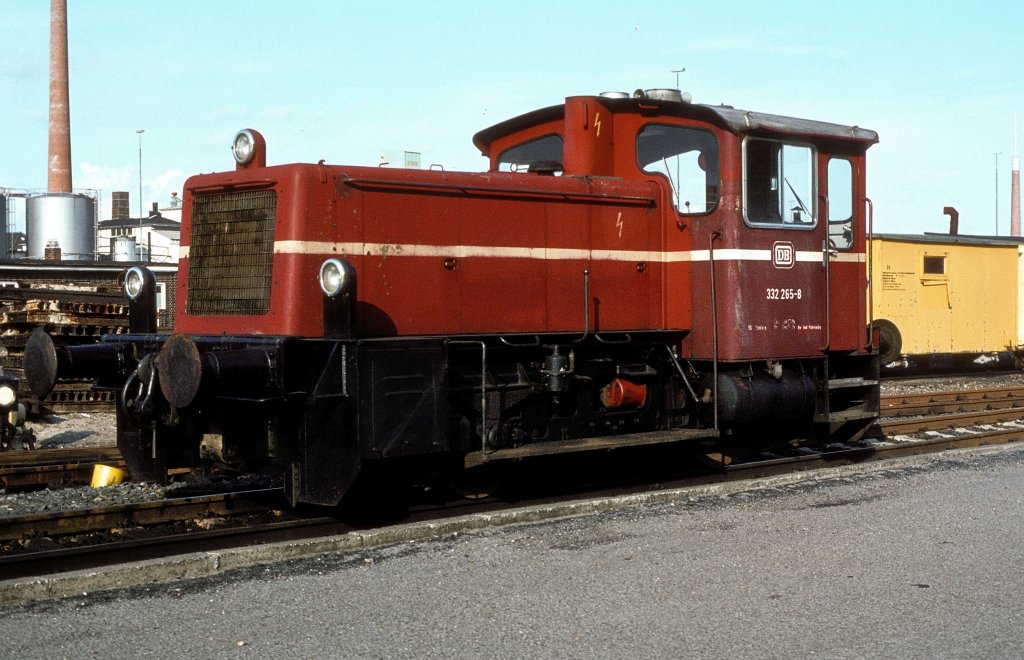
(620, 394)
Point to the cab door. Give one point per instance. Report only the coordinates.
(843, 252)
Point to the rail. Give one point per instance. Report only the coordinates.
(51, 468)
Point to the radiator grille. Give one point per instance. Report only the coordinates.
(231, 253)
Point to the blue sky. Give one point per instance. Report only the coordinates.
(350, 81)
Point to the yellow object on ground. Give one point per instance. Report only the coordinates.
(105, 475)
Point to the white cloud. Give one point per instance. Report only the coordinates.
(101, 177)
(159, 188)
(106, 180)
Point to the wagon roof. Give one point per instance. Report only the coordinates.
(950, 239)
(735, 120)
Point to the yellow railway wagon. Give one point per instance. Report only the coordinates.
(940, 294)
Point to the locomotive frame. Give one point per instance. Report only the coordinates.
(631, 270)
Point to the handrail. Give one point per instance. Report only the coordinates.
(826, 252)
(534, 341)
(586, 307)
(714, 326)
(567, 195)
(871, 279)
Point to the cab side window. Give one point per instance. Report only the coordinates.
(543, 154)
(688, 158)
(840, 204)
(778, 184)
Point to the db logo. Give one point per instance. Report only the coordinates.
(783, 254)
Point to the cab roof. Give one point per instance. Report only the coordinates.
(733, 119)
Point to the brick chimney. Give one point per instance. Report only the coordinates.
(59, 175)
(1015, 184)
(119, 205)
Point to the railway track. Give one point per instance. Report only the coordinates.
(120, 516)
(53, 468)
(43, 544)
(912, 432)
(107, 536)
(933, 403)
(913, 424)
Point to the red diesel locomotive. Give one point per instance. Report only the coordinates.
(631, 270)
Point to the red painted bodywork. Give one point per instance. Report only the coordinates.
(452, 253)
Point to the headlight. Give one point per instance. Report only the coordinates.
(335, 276)
(134, 281)
(7, 395)
(243, 147)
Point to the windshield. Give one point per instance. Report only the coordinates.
(688, 158)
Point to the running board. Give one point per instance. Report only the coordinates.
(476, 458)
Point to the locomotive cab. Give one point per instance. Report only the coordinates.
(631, 270)
(771, 223)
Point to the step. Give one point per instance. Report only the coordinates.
(589, 444)
(846, 415)
(839, 383)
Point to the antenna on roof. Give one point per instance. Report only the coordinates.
(677, 72)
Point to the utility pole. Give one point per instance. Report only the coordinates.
(140, 131)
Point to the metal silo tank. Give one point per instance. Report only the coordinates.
(67, 218)
(123, 248)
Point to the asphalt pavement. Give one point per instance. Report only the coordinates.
(919, 561)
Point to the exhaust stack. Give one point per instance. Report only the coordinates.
(954, 219)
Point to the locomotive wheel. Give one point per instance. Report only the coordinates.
(890, 341)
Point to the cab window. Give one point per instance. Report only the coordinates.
(688, 158)
(778, 184)
(543, 154)
(840, 204)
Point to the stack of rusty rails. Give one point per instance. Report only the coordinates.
(53, 468)
(79, 315)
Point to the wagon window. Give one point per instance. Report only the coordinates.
(688, 158)
(778, 184)
(540, 154)
(840, 204)
(934, 265)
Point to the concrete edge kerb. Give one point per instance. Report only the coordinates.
(207, 564)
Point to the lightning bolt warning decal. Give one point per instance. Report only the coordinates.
(618, 223)
(597, 123)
